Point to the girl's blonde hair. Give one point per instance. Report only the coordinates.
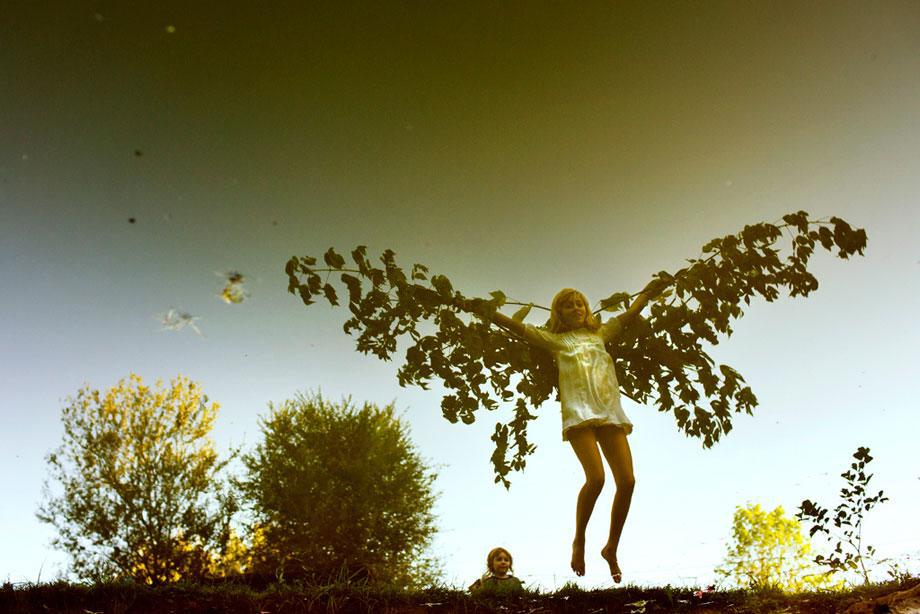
(494, 552)
(557, 325)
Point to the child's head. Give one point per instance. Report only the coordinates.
(499, 561)
(570, 311)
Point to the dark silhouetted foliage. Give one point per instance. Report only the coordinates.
(845, 527)
(660, 359)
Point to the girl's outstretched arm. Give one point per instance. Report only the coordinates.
(650, 291)
(500, 319)
(508, 323)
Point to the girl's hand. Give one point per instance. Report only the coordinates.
(649, 292)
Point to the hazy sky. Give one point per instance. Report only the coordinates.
(520, 146)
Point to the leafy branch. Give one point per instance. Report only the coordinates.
(847, 520)
(660, 359)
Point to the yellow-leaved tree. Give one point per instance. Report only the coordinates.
(769, 551)
(136, 488)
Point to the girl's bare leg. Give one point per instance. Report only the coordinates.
(584, 443)
(616, 450)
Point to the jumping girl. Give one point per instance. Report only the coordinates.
(591, 411)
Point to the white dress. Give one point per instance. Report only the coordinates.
(588, 386)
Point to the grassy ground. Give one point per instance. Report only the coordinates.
(125, 598)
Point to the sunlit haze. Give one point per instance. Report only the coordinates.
(516, 146)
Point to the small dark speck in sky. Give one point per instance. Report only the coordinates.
(138, 153)
(131, 220)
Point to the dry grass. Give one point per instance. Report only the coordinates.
(235, 597)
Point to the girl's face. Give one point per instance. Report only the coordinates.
(501, 563)
(573, 311)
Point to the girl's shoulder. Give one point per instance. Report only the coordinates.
(497, 583)
(541, 337)
(507, 578)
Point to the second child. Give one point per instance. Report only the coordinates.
(498, 577)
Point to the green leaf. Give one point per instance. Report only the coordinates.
(354, 287)
(419, 271)
(359, 255)
(333, 259)
(330, 294)
(521, 313)
(388, 257)
(798, 219)
(442, 285)
(498, 297)
(615, 302)
(664, 295)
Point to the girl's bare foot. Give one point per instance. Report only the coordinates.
(611, 558)
(578, 557)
